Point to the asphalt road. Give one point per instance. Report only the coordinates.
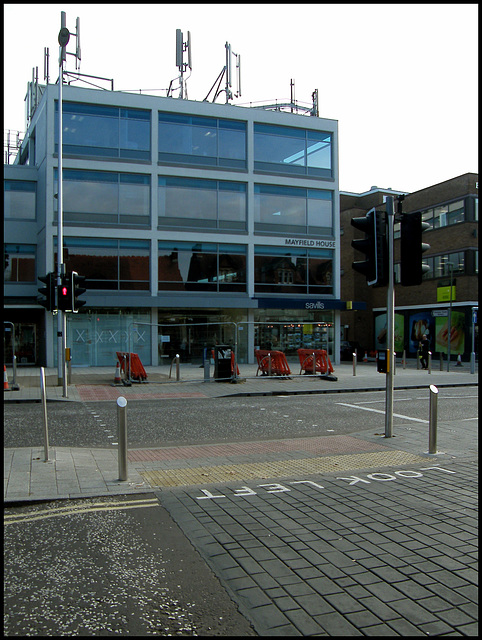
(154, 423)
(109, 566)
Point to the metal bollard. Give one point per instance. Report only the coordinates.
(394, 363)
(178, 372)
(269, 364)
(441, 361)
(354, 364)
(206, 370)
(43, 394)
(314, 364)
(432, 438)
(430, 362)
(404, 358)
(122, 437)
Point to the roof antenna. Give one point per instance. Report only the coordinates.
(181, 48)
(227, 72)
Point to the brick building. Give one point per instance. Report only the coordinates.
(451, 208)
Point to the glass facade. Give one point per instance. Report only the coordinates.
(119, 265)
(203, 204)
(279, 209)
(102, 131)
(196, 266)
(292, 150)
(19, 200)
(211, 142)
(104, 197)
(298, 271)
(19, 260)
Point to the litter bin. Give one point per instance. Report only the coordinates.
(222, 362)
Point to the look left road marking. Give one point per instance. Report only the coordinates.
(73, 510)
(396, 415)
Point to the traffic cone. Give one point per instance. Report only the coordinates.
(459, 361)
(117, 378)
(5, 379)
(365, 359)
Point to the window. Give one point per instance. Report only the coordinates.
(19, 198)
(205, 204)
(118, 265)
(108, 132)
(298, 271)
(291, 150)
(293, 210)
(202, 141)
(186, 266)
(103, 197)
(19, 260)
(438, 266)
(445, 215)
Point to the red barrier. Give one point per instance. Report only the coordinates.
(272, 363)
(137, 371)
(322, 361)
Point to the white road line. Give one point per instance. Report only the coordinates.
(396, 415)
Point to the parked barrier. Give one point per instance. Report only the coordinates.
(272, 363)
(131, 365)
(323, 364)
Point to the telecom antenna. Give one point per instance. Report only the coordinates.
(181, 48)
(227, 73)
(46, 64)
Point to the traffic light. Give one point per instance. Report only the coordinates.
(374, 246)
(411, 249)
(77, 290)
(64, 300)
(48, 292)
(69, 292)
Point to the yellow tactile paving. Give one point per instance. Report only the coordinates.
(279, 469)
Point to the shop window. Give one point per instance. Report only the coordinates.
(186, 266)
(296, 271)
(109, 264)
(19, 260)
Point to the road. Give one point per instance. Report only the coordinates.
(108, 566)
(154, 423)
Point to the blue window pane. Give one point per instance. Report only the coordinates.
(19, 185)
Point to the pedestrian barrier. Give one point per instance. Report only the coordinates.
(272, 363)
(322, 361)
(131, 365)
(5, 379)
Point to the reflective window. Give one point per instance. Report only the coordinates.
(293, 210)
(19, 199)
(290, 150)
(297, 271)
(109, 264)
(196, 203)
(19, 261)
(445, 215)
(104, 197)
(186, 266)
(109, 132)
(203, 141)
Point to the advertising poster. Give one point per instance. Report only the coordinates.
(381, 332)
(457, 339)
(421, 323)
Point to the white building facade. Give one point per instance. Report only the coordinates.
(194, 223)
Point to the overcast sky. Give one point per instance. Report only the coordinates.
(401, 79)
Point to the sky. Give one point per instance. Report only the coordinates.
(400, 79)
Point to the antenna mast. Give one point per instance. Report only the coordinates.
(227, 71)
(181, 48)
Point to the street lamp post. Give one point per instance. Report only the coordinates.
(451, 270)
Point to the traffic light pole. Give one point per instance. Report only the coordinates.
(390, 322)
(61, 318)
